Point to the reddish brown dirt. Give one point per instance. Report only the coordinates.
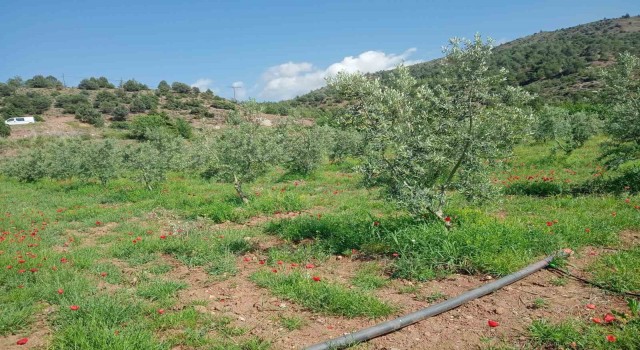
(463, 328)
(259, 312)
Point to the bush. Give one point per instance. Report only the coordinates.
(133, 85)
(142, 103)
(104, 96)
(5, 130)
(181, 88)
(164, 88)
(145, 127)
(89, 84)
(30, 103)
(69, 103)
(107, 107)
(120, 113)
(87, 114)
(6, 90)
(183, 128)
(40, 81)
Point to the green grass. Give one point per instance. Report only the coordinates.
(322, 296)
(159, 289)
(292, 323)
(619, 271)
(370, 277)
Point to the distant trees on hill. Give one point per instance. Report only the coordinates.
(133, 85)
(95, 84)
(40, 81)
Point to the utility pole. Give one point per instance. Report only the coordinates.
(64, 83)
(234, 91)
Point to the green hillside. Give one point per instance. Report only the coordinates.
(557, 65)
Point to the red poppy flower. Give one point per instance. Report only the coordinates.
(261, 262)
(587, 230)
(60, 291)
(246, 259)
(493, 323)
(376, 223)
(103, 274)
(596, 320)
(549, 223)
(34, 270)
(9, 267)
(161, 311)
(591, 306)
(608, 318)
(22, 341)
(395, 255)
(280, 262)
(22, 271)
(74, 307)
(611, 338)
(447, 219)
(294, 265)
(310, 266)
(98, 223)
(163, 237)
(21, 261)
(316, 278)
(274, 271)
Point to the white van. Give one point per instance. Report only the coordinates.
(20, 120)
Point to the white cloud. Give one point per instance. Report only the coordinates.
(203, 84)
(292, 79)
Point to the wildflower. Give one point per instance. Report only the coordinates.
(246, 259)
(316, 278)
(33, 270)
(447, 219)
(261, 262)
(591, 306)
(103, 274)
(549, 223)
(608, 318)
(161, 311)
(61, 291)
(280, 262)
(587, 230)
(163, 237)
(376, 223)
(98, 223)
(611, 338)
(596, 320)
(395, 255)
(274, 271)
(74, 307)
(310, 266)
(493, 323)
(614, 214)
(22, 341)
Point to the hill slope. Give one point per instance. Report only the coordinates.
(556, 64)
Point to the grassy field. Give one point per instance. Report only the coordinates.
(96, 266)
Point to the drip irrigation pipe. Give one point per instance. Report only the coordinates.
(436, 309)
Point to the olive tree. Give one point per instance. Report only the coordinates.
(421, 142)
(623, 124)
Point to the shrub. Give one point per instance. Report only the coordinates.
(422, 143)
(104, 96)
(89, 84)
(39, 81)
(107, 107)
(21, 104)
(15, 82)
(69, 103)
(180, 88)
(144, 127)
(133, 85)
(5, 130)
(183, 128)
(164, 88)
(87, 114)
(100, 160)
(150, 161)
(120, 113)
(6, 90)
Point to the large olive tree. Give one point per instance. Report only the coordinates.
(423, 141)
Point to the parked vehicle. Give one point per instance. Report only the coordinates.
(20, 120)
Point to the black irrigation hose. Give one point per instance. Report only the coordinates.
(595, 284)
(404, 321)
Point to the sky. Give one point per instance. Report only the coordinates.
(271, 50)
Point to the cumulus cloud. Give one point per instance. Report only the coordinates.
(203, 84)
(292, 79)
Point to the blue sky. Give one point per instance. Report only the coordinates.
(274, 49)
